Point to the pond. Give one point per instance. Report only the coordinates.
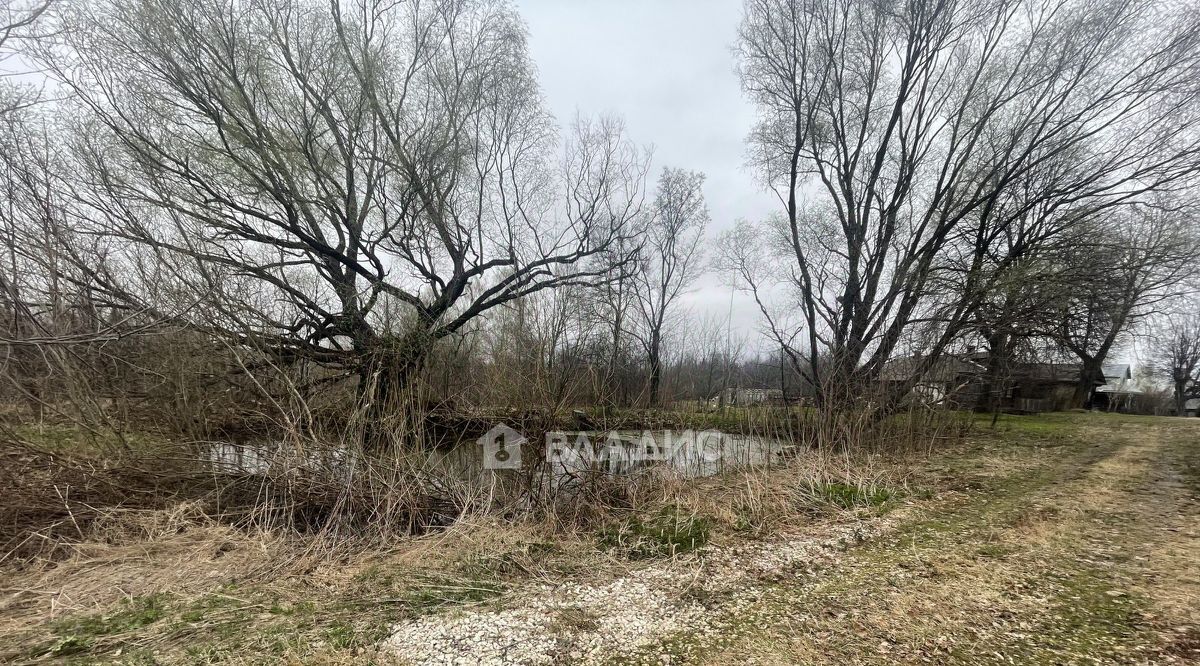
(567, 455)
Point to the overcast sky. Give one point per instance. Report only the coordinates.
(666, 67)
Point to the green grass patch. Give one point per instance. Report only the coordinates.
(133, 614)
(1087, 620)
(434, 593)
(341, 636)
(665, 534)
(78, 635)
(993, 551)
(72, 440)
(849, 496)
(1055, 425)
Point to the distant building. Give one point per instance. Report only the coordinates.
(746, 397)
(951, 380)
(963, 382)
(1043, 387)
(1118, 392)
(1192, 407)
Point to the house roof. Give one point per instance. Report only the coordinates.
(951, 368)
(1115, 379)
(1048, 372)
(1117, 372)
(1117, 388)
(946, 369)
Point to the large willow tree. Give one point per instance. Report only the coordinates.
(342, 182)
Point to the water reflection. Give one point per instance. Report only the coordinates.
(567, 456)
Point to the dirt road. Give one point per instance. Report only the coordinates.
(1091, 555)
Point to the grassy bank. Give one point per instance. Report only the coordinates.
(1022, 512)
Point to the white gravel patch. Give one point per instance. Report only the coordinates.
(581, 623)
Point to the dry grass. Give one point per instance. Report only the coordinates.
(252, 596)
(238, 591)
(175, 583)
(1082, 562)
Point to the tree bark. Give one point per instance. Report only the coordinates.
(1091, 371)
(992, 391)
(655, 373)
(386, 379)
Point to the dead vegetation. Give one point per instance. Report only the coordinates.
(107, 560)
(992, 527)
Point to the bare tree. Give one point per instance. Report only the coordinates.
(17, 16)
(1138, 258)
(534, 351)
(61, 337)
(898, 135)
(358, 180)
(714, 352)
(609, 308)
(670, 261)
(1175, 356)
(17, 21)
(1027, 269)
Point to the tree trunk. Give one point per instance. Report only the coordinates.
(655, 360)
(992, 390)
(1091, 372)
(655, 379)
(386, 382)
